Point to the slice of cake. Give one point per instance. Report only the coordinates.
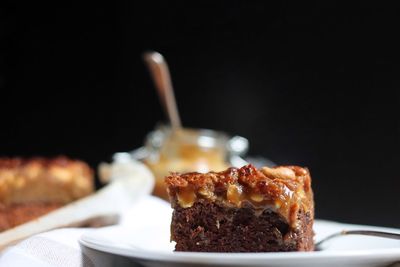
(33, 187)
(242, 210)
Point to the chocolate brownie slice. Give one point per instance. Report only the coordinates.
(242, 210)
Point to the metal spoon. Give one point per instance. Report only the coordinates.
(319, 244)
(159, 71)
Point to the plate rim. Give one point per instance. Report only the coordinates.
(239, 258)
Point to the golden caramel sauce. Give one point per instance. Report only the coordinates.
(186, 197)
(234, 194)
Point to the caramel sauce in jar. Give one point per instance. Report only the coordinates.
(185, 150)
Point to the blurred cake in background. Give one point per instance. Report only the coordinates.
(33, 187)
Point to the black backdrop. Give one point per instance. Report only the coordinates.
(314, 85)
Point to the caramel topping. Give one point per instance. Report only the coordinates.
(283, 189)
(186, 197)
(234, 194)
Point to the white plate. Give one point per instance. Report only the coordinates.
(146, 241)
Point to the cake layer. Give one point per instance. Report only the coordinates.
(16, 214)
(209, 227)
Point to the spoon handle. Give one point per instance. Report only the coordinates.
(357, 232)
(160, 73)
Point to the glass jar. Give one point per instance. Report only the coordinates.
(189, 150)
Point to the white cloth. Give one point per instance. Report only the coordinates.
(61, 248)
(54, 248)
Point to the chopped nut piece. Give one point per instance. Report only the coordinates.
(256, 197)
(279, 172)
(206, 192)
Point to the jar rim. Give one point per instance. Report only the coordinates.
(205, 138)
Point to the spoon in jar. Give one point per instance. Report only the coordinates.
(319, 244)
(162, 79)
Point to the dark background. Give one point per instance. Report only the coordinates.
(314, 85)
